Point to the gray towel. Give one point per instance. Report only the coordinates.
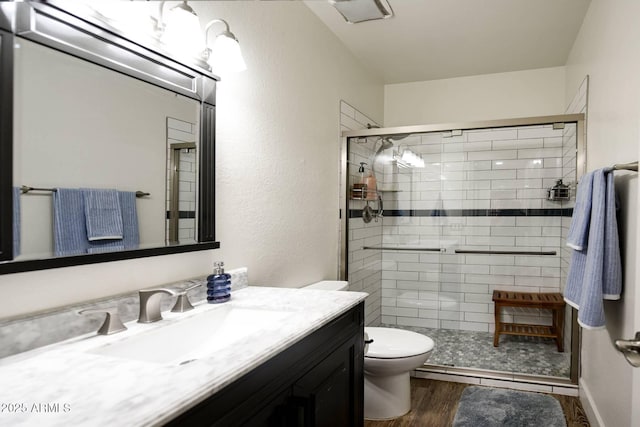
(102, 214)
(595, 272)
(69, 229)
(16, 221)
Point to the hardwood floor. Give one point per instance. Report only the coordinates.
(435, 404)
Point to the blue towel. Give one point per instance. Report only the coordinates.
(102, 214)
(107, 247)
(16, 221)
(612, 263)
(579, 228)
(130, 236)
(129, 219)
(69, 229)
(595, 272)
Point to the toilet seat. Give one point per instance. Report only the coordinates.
(391, 343)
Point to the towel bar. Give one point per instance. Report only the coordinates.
(396, 248)
(26, 189)
(633, 166)
(465, 251)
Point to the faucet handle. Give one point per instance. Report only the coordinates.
(112, 322)
(182, 302)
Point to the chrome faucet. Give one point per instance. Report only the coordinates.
(150, 302)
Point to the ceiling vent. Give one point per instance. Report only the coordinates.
(354, 11)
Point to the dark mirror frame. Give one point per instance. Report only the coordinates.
(53, 25)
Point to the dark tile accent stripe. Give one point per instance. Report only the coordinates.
(357, 213)
(183, 214)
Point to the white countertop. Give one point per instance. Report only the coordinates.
(64, 385)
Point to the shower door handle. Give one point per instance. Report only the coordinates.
(630, 349)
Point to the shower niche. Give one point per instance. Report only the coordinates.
(465, 212)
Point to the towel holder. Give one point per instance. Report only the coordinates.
(633, 166)
(26, 189)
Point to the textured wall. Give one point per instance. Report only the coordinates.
(484, 97)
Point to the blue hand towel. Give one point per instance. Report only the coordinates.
(579, 228)
(595, 270)
(16, 221)
(109, 246)
(69, 229)
(103, 215)
(130, 236)
(612, 263)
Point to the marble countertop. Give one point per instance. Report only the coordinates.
(65, 384)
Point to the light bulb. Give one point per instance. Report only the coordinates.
(182, 32)
(226, 56)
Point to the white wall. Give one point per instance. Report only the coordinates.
(278, 164)
(608, 50)
(279, 141)
(491, 96)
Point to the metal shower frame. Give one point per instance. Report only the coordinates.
(581, 165)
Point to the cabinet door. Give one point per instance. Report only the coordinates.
(274, 413)
(328, 394)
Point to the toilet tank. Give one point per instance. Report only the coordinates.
(329, 285)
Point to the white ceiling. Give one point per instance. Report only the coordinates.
(438, 39)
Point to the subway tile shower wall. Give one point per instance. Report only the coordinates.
(364, 267)
(483, 190)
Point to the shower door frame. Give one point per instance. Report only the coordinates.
(581, 165)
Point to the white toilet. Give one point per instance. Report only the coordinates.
(389, 357)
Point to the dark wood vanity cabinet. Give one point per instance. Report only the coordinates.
(318, 381)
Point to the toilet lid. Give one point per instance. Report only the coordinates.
(391, 343)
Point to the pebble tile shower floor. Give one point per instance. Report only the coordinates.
(475, 350)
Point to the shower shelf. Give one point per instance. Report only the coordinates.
(377, 193)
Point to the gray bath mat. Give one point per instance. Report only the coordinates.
(491, 407)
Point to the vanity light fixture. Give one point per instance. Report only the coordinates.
(179, 29)
(225, 56)
(354, 11)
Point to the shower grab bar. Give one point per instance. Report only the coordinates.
(468, 251)
(25, 189)
(395, 248)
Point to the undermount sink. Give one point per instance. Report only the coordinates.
(195, 337)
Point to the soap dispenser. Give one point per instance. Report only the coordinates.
(218, 285)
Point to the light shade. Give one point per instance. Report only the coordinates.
(182, 31)
(225, 55)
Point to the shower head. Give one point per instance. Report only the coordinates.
(387, 141)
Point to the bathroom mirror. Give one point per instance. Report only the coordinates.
(99, 112)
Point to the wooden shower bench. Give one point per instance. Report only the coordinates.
(551, 301)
